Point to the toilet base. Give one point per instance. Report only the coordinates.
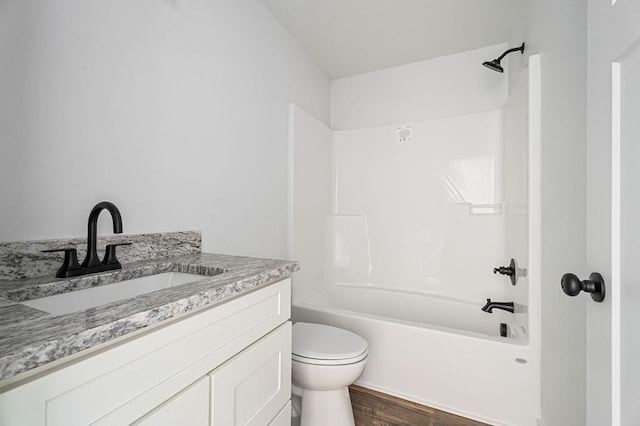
(322, 408)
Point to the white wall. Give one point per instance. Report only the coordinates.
(440, 87)
(557, 30)
(174, 110)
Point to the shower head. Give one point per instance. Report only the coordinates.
(495, 64)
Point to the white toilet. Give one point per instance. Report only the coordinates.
(325, 360)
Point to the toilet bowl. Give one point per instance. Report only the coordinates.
(325, 361)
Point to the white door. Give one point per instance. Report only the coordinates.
(613, 211)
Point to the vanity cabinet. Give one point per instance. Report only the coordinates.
(226, 365)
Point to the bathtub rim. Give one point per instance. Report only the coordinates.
(303, 303)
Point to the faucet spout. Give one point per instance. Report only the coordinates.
(91, 259)
(490, 306)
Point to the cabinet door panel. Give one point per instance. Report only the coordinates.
(190, 407)
(252, 387)
(284, 417)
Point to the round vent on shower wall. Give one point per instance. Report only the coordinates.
(405, 134)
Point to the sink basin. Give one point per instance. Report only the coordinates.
(80, 300)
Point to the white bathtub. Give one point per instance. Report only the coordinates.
(436, 351)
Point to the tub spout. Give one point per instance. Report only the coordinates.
(490, 306)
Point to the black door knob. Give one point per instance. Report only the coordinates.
(572, 286)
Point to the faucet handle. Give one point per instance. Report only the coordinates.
(110, 254)
(511, 271)
(70, 262)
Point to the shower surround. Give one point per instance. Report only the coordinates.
(400, 213)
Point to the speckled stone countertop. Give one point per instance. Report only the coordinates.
(31, 338)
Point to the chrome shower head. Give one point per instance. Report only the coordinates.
(495, 64)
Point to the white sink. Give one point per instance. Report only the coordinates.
(80, 300)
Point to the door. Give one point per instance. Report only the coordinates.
(613, 210)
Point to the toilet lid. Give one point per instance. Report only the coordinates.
(323, 342)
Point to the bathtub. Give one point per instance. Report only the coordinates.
(437, 351)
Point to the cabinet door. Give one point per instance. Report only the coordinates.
(284, 417)
(254, 386)
(190, 407)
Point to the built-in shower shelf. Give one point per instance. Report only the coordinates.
(485, 209)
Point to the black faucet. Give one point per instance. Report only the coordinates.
(490, 306)
(91, 263)
(91, 260)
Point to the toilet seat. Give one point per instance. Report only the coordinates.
(320, 344)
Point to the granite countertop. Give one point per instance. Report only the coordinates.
(30, 338)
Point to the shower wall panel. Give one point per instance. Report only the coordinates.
(439, 87)
(433, 205)
(308, 198)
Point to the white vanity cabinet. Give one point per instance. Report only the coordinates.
(223, 366)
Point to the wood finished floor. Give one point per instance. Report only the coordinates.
(371, 408)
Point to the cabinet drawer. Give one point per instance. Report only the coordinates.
(252, 387)
(189, 407)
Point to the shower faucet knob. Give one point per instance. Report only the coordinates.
(511, 271)
(503, 270)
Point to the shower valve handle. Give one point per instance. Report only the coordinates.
(503, 270)
(511, 271)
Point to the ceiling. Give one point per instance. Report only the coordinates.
(347, 37)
